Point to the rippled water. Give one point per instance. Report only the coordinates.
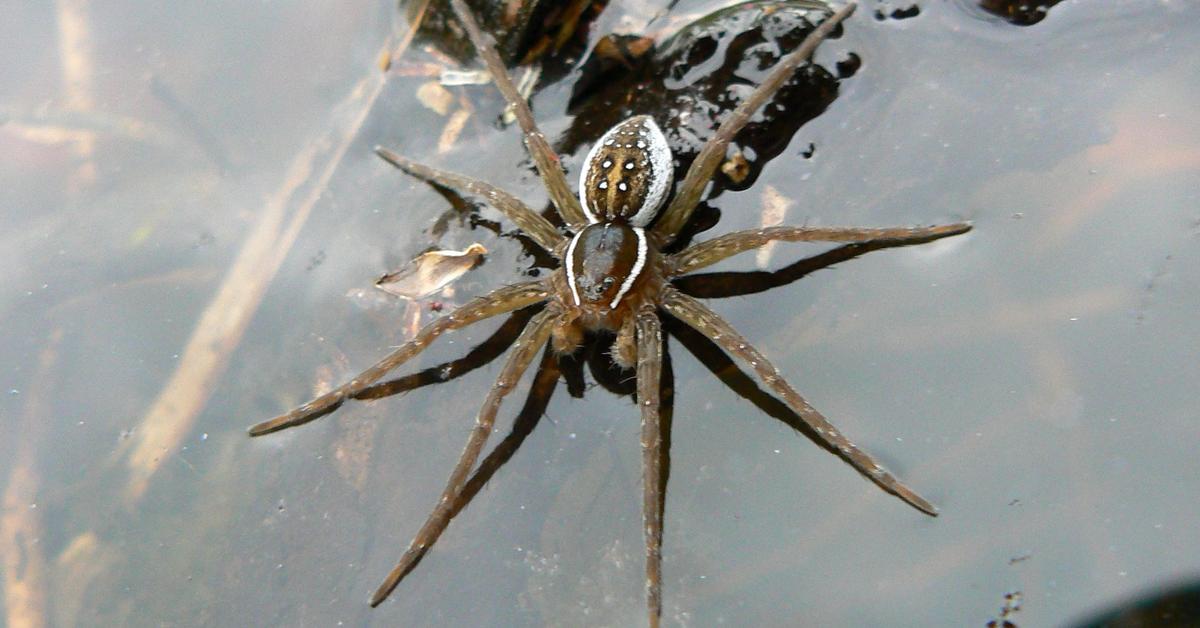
(181, 261)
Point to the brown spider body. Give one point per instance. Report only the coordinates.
(611, 267)
(613, 276)
(603, 313)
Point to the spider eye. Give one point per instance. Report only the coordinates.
(627, 173)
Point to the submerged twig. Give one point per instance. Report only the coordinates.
(224, 321)
(20, 521)
(75, 54)
(774, 210)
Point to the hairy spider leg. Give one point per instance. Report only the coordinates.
(687, 196)
(527, 220)
(499, 301)
(548, 164)
(532, 339)
(545, 380)
(479, 356)
(698, 316)
(649, 378)
(722, 247)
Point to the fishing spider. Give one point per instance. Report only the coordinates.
(614, 276)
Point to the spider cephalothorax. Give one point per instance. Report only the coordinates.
(613, 276)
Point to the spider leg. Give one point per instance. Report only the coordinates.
(717, 249)
(712, 153)
(527, 220)
(532, 339)
(498, 301)
(649, 376)
(698, 316)
(543, 155)
(481, 355)
(740, 382)
(545, 380)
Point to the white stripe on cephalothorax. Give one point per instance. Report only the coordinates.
(633, 272)
(570, 264)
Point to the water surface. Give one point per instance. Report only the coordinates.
(181, 261)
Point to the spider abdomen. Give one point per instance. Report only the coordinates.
(627, 173)
(603, 261)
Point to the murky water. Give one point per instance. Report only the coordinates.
(182, 260)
